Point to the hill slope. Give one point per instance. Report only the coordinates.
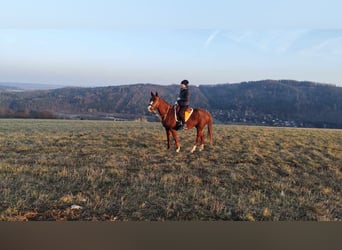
(269, 102)
(278, 102)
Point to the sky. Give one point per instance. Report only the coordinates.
(103, 42)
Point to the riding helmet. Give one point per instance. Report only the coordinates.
(185, 82)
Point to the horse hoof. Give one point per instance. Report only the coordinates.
(201, 148)
(193, 149)
(177, 150)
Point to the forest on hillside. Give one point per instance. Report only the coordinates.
(268, 102)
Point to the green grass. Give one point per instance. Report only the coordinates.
(123, 171)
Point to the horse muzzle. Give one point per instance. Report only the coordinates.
(150, 108)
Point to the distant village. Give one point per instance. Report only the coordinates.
(251, 118)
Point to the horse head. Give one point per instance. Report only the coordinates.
(154, 102)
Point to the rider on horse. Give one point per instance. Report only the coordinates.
(183, 103)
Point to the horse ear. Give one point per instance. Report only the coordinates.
(156, 93)
(152, 94)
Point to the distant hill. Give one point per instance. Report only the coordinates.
(268, 102)
(5, 88)
(280, 103)
(26, 86)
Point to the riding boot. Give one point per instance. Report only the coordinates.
(184, 124)
(178, 122)
(182, 121)
(181, 118)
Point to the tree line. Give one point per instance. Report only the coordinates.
(268, 102)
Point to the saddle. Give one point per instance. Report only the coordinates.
(187, 113)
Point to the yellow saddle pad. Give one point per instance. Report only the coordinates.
(188, 113)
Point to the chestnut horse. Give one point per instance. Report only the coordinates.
(199, 119)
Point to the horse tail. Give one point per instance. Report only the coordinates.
(210, 128)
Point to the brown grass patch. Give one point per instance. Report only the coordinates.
(123, 171)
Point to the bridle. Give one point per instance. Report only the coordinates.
(154, 105)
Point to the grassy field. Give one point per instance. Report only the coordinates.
(101, 170)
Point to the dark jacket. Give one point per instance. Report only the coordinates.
(183, 98)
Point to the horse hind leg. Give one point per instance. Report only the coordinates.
(202, 141)
(198, 138)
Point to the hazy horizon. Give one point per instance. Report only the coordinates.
(36, 86)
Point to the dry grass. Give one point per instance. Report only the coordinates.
(123, 171)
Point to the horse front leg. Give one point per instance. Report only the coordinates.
(168, 138)
(175, 137)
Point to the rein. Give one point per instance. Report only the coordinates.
(167, 111)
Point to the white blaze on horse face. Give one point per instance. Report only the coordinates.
(150, 106)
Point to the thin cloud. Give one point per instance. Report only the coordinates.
(211, 38)
(271, 41)
(330, 47)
